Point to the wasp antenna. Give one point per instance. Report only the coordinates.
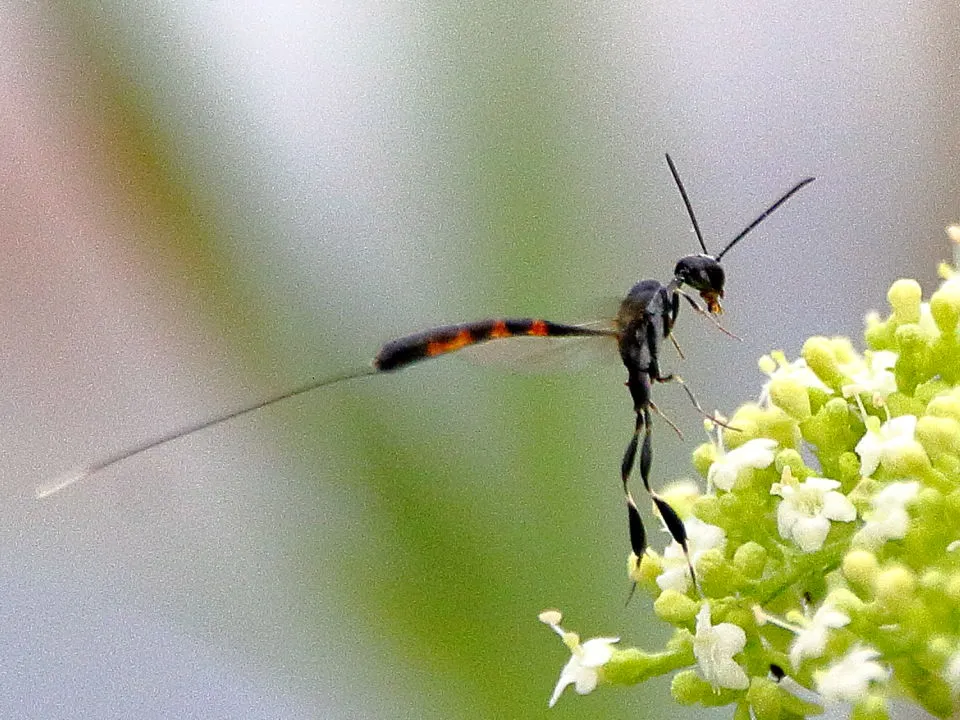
(74, 476)
(765, 214)
(686, 201)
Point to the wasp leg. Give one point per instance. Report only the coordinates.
(712, 418)
(638, 538)
(646, 451)
(667, 420)
(677, 531)
(653, 351)
(638, 535)
(638, 382)
(699, 310)
(653, 374)
(629, 457)
(677, 346)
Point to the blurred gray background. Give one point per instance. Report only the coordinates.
(204, 203)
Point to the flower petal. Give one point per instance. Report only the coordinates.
(836, 506)
(849, 679)
(597, 651)
(810, 533)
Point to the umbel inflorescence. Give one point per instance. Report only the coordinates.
(827, 543)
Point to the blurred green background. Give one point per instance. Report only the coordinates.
(206, 203)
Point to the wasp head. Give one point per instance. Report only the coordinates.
(705, 275)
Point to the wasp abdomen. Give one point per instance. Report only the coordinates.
(399, 353)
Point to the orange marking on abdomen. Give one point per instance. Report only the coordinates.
(500, 330)
(460, 340)
(538, 328)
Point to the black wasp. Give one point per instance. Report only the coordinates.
(646, 316)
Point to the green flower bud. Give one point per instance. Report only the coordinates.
(931, 389)
(899, 403)
(945, 405)
(747, 419)
(844, 601)
(945, 307)
(718, 578)
(792, 459)
(703, 458)
(708, 508)
(848, 468)
(872, 707)
(631, 666)
(879, 334)
(947, 464)
(676, 608)
(646, 571)
(834, 429)
(860, 568)
(750, 559)
(914, 347)
(912, 340)
(681, 645)
(938, 435)
(894, 587)
(688, 688)
(764, 697)
(843, 350)
(818, 353)
(778, 425)
(904, 297)
(909, 460)
(791, 397)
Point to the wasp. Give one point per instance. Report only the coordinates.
(646, 317)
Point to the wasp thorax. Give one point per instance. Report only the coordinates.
(705, 275)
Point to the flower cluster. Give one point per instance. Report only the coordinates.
(827, 543)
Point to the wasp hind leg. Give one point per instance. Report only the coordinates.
(646, 451)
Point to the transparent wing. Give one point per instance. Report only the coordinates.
(549, 354)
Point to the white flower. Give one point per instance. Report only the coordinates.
(806, 510)
(892, 438)
(775, 365)
(873, 375)
(701, 537)
(849, 679)
(757, 453)
(888, 519)
(812, 640)
(714, 647)
(583, 668)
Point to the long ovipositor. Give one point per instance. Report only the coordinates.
(404, 351)
(394, 355)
